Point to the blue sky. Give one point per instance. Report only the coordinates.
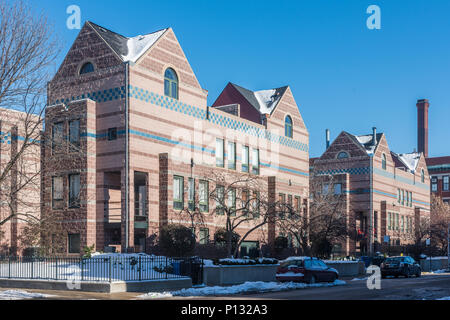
(343, 75)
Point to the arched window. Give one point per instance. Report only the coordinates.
(383, 161)
(343, 155)
(422, 176)
(288, 127)
(171, 83)
(87, 68)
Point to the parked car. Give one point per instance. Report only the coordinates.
(305, 269)
(400, 266)
(378, 260)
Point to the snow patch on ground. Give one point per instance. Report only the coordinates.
(360, 279)
(20, 295)
(257, 286)
(444, 298)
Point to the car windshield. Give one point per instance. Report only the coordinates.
(396, 259)
(297, 263)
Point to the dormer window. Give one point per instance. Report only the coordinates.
(171, 83)
(288, 128)
(87, 68)
(343, 155)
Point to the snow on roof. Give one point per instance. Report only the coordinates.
(137, 46)
(129, 49)
(267, 99)
(410, 160)
(366, 142)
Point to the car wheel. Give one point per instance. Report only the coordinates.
(312, 280)
(418, 274)
(333, 278)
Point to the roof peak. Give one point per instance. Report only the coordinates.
(265, 101)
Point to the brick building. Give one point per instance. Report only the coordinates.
(20, 186)
(438, 167)
(386, 193)
(147, 136)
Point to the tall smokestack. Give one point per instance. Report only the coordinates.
(374, 139)
(422, 126)
(327, 138)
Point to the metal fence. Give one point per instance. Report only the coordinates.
(101, 269)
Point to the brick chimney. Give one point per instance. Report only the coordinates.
(422, 126)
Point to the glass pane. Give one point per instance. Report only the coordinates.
(219, 153)
(166, 87)
(174, 90)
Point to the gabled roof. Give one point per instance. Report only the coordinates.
(408, 160)
(265, 101)
(128, 49)
(366, 142)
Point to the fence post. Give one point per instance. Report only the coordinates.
(9, 267)
(110, 269)
(56, 260)
(32, 267)
(165, 269)
(140, 269)
(82, 267)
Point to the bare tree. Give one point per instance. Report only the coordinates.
(241, 205)
(440, 221)
(326, 223)
(27, 51)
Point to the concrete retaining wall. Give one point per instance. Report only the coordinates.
(230, 275)
(103, 287)
(348, 268)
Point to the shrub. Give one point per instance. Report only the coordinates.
(177, 240)
(88, 251)
(220, 238)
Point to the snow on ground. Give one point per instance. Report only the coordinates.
(360, 279)
(444, 298)
(20, 295)
(247, 287)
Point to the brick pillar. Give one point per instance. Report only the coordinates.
(272, 187)
(163, 188)
(422, 126)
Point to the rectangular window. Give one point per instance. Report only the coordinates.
(338, 188)
(57, 137)
(396, 221)
(231, 155)
(204, 236)
(191, 194)
(219, 153)
(325, 189)
(256, 204)
(57, 193)
(74, 191)
(389, 220)
(282, 202)
(403, 224)
(245, 201)
(73, 243)
(399, 197)
(112, 134)
(74, 134)
(232, 201)
(220, 190)
(298, 205)
(290, 205)
(203, 189)
(446, 183)
(410, 199)
(245, 159)
(255, 161)
(434, 184)
(403, 197)
(178, 193)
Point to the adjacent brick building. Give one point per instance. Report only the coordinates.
(439, 167)
(386, 193)
(20, 185)
(137, 113)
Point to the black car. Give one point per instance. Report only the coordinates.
(400, 266)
